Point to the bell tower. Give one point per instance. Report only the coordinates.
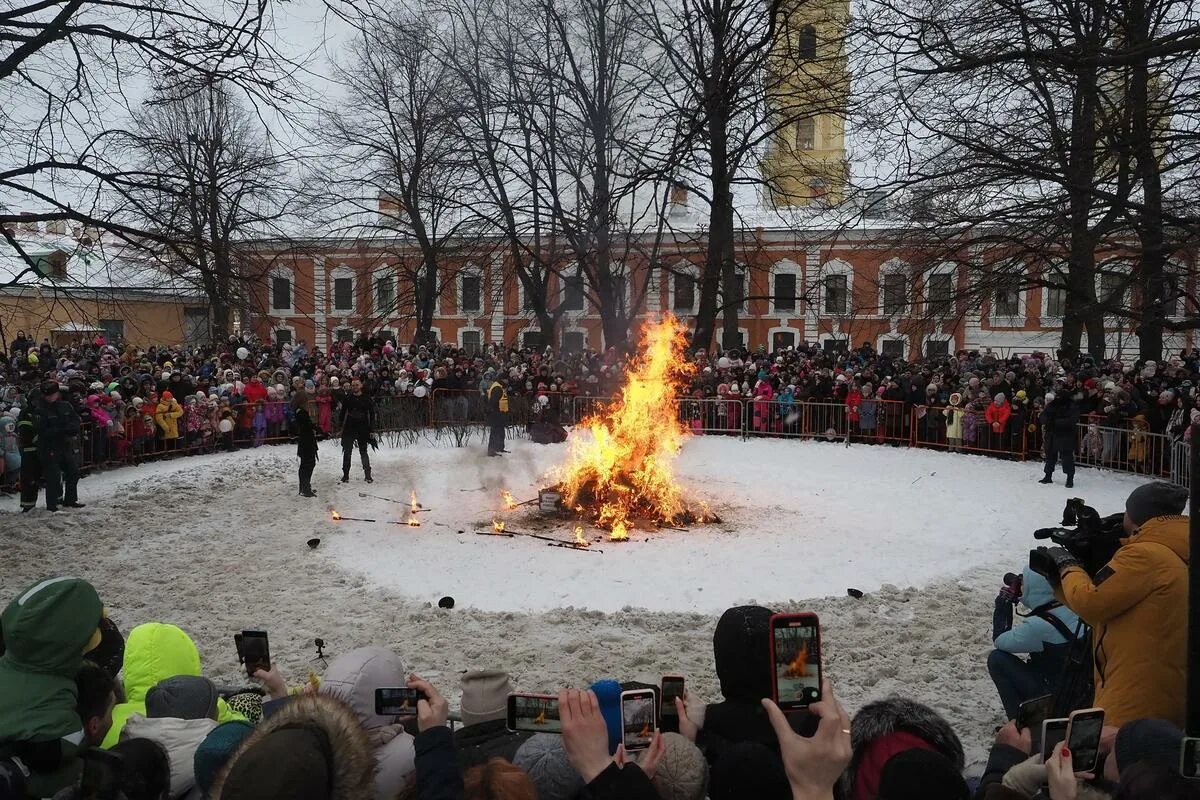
(807, 88)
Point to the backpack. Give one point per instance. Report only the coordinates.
(1075, 686)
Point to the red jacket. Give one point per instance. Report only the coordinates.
(254, 392)
(998, 413)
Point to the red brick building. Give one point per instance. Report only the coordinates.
(855, 286)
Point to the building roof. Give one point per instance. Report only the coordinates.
(106, 264)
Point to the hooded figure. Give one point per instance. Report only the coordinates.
(1045, 636)
(353, 679)
(181, 713)
(155, 652)
(886, 728)
(47, 629)
(311, 749)
(741, 637)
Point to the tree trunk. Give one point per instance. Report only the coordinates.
(218, 315)
(720, 230)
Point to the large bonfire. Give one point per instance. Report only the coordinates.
(622, 474)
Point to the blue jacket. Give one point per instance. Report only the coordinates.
(1035, 633)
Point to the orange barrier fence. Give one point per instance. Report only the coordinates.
(142, 434)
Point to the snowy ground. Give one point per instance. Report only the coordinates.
(217, 544)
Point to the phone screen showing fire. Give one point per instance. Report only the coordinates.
(797, 663)
(537, 714)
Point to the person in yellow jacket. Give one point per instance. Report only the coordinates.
(154, 652)
(497, 404)
(1137, 605)
(166, 416)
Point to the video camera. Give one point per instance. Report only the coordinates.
(1092, 539)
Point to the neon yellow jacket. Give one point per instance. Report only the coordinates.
(154, 652)
(167, 416)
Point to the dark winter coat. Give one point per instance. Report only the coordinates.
(439, 776)
(306, 433)
(57, 424)
(1061, 420)
(617, 783)
(480, 743)
(358, 413)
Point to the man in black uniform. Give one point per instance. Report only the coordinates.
(58, 447)
(31, 465)
(306, 441)
(1060, 428)
(497, 401)
(358, 423)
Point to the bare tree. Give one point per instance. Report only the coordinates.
(399, 159)
(212, 181)
(64, 76)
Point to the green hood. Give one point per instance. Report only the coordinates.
(154, 652)
(45, 630)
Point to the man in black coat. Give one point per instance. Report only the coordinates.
(306, 441)
(58, 447)
(497, 404)
(31, 463)
(1060, 423)
(358, 424)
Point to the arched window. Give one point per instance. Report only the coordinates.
(806, 44)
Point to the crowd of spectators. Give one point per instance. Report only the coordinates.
(88, 712)
(138, 403)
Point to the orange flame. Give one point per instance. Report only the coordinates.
(336, 515)
(645, 731)
(413, 522)
(510, 502)
(580, 539)
(498, 525)
(798, 666)
(623, 471)
(413, 504)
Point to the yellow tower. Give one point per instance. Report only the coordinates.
(807, 88)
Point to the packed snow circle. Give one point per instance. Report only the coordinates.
(221, 543)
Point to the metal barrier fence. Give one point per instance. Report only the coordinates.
(142, 434)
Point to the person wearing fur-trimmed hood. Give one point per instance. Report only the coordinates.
(886, 728)
(312, 749)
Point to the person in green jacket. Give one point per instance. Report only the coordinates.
(154, 652)
(47, 630)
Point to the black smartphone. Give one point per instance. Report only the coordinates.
(1053, 732)
(253, 651)
(397, 701)
(1031, 714)
(537, 713)
(102, 772)
(1189, 758)
(639, 719)
(672, 687)
(1083, 738)
(795, 660)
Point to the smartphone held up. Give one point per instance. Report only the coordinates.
(638, 718)
(534, 713)
(253, 651)
(398, 701)
(796, 660)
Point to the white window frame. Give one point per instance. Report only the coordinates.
(841, 337)
(468, 328)
(575, 329)
(1049, 276)
(583, 288)
(530, 328)
(628, 277)
(940, 269)
(938, 337)
(333, 334)
(1116, 267)
(687, 268)
(386, 313)
(894, 337)
(527, 313)
(1022, 315)
(782, 329)
(471, 271)
(280, 271)
(836, 266)
(1178, 270)
(282, 327)
(337, 273)
(787, 267)
(895, 266)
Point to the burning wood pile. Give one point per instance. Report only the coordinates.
(622, 474)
